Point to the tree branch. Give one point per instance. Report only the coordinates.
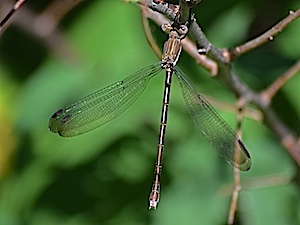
(44, 27)
(265, 37)
(270, 92)
(228, 75)
(16, 6)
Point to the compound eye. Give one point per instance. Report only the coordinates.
(166, 27)
(183, 30)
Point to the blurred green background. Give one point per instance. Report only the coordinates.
(104, 177)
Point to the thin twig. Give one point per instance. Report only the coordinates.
(235, 196)
(166, 9)
(248, 112)
(48, 20)
(41, 27)
(258, 183)
(236, 174)
(16, 6)
(265, 37)
(270, 92)
(59, 9)
(148, 33)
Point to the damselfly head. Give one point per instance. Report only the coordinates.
(181, 30)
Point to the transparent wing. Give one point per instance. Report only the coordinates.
(218, 133)
(102, 106)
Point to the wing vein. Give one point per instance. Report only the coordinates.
(102, 106)
(217, 132)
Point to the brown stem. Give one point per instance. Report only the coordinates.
(270, 92)
(259, 183)
(148, 33)
(43, 27)
(16, 6)
(236, 174)
(235, 196)
(265, 37)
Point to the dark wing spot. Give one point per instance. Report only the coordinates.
(65, 119)
(244, 148)
(57, 114)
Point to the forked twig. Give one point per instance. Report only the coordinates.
(187, 44)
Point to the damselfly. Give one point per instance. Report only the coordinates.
(106, 104)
